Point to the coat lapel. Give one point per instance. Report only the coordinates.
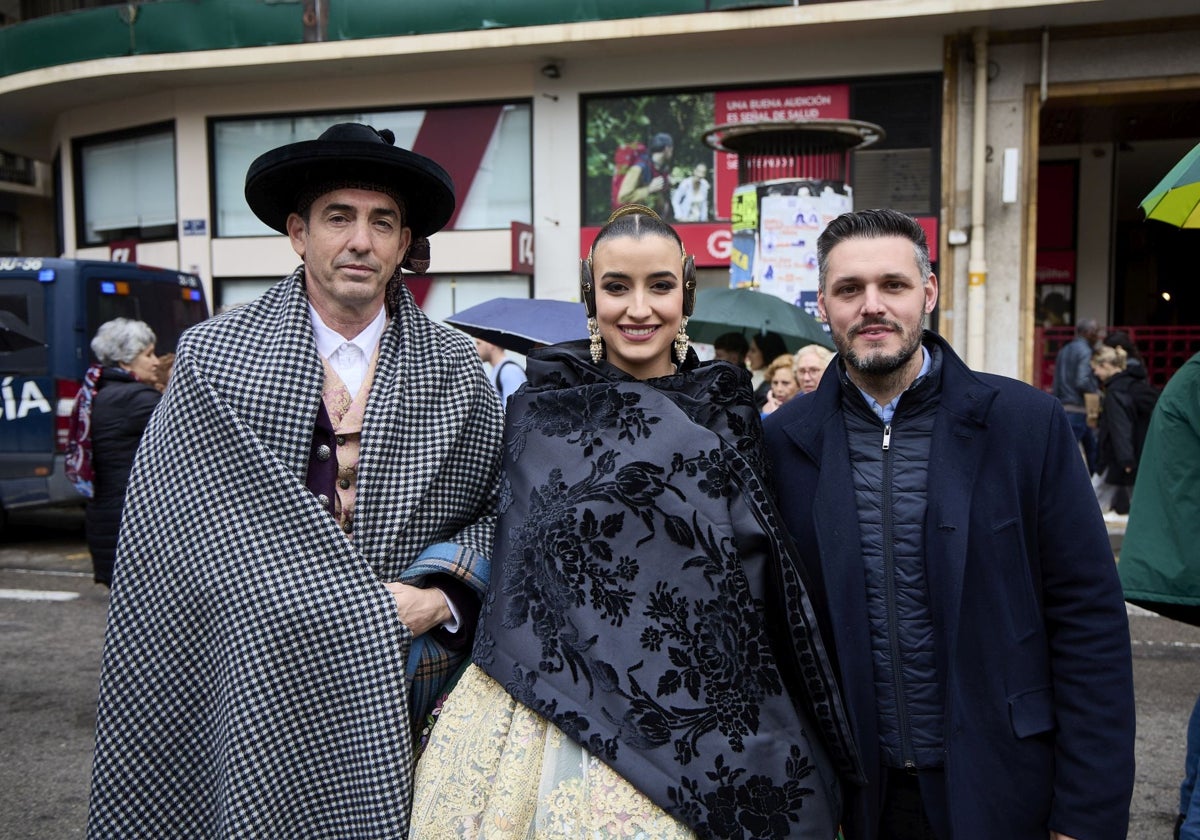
(955, 458)
(821, 435)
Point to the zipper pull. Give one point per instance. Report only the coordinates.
(887, 437)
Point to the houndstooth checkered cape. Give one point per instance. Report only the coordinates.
(254, 667)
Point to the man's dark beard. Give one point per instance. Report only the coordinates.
(877, 365)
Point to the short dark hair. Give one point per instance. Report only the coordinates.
(771, 345)
(872, 224)
(1122, 339)
(732, 342)
(660, 141)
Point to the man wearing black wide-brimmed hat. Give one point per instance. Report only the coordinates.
(307, 529)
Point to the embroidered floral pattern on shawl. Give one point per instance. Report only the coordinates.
(637, 549)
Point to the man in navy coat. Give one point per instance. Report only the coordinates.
(970, 590)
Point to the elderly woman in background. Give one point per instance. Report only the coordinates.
(119, 395)
(783, 383)
(809, 365)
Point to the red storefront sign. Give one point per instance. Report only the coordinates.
(522, 248)
(709, 243)
(789, 104)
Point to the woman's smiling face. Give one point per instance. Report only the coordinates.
(639, 301)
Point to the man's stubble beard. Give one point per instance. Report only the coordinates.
(878, 365)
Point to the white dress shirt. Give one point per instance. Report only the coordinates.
(350, 359)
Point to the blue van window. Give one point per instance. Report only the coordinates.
(25, 301)
(168, 308)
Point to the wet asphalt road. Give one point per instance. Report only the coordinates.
(50, 664)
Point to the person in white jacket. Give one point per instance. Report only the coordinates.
(690, 197)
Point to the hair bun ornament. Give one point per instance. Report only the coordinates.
(632, 210)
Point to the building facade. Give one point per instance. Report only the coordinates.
(1023, 134)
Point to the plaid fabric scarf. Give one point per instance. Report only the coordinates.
(79, 434)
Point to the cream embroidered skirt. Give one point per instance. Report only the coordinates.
(495, 770)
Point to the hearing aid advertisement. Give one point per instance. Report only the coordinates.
(649, 147)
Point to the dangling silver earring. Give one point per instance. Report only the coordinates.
(681, 341)
(594, 334)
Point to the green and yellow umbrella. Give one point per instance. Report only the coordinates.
(1176, 199)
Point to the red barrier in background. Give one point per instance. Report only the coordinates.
(1163, 350)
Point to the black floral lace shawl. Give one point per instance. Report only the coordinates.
(645, 600)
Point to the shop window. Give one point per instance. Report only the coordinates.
(125, 185)
(486, 149)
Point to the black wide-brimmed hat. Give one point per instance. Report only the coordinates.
(349, 155)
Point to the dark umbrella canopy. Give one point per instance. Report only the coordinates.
(747, 311)
(14, 335)
(521, 324)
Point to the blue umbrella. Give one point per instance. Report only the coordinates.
(521, 324)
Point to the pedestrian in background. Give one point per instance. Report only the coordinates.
(1122, 339)
(731, 347)
(765, 347)
(809, 365)
(1073, 382)
(1160, 553)
(1124, 418)
(119, 394)
(782, 380)
(969, 587)
(507, 375)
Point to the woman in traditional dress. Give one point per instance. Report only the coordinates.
(647, 662)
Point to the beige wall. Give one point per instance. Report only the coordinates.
(814, 54)
(1016, 71)
(556, 143)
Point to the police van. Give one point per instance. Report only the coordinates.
(49, 311)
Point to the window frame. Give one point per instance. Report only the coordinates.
(151, 233)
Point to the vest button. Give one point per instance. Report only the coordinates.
(347, 527)
(341, 440)
(323, 452)
(344, 483)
